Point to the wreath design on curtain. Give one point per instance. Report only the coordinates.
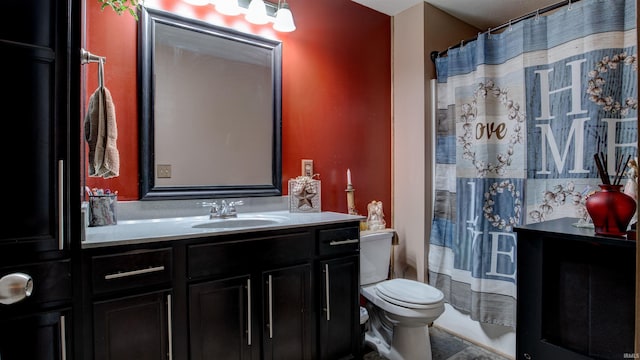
(495, 219)
(558, 196)
(596, 83)
(469, 115)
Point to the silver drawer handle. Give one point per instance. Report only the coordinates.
(60, 204)
(249, 312)
(63, 338)
(15, 287)
(169, 327)
(133, 272)
(327, 289)
(270, 307)
(344, 242)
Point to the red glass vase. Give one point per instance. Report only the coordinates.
(611, 210)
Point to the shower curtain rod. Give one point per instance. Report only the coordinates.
(436, 54)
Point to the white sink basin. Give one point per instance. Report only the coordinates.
(234, 223)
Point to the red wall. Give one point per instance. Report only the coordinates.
(336, 95)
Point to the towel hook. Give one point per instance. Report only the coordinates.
(101, 73)
(87, 57)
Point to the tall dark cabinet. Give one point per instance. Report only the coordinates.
(39, 94)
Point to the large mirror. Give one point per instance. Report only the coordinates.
(210, 110)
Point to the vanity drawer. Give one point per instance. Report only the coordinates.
(339, 240)
(131, 269)
(244, 255)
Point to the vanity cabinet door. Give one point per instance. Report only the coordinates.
(39, 336)
(339, 317)
(136, 327)
(221, 320)
(287, 318)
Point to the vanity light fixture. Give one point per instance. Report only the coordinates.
(197, 2)
(227, 7)
(284, 18)
(257, 13)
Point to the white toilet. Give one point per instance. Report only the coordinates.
(400, 310)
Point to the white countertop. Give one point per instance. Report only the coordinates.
(166, 229)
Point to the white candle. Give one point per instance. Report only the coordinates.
(348, 176)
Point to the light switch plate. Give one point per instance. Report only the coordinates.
(307, 167)
(164, 171)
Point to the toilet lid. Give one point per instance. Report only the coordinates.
(409, 293)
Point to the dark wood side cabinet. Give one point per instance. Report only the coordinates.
(338, 274)
(39, 95)
(248, 296)
(576, 293)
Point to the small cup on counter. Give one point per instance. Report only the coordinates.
(103, 210)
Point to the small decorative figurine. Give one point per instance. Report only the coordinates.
(375, 218)
(631, 187)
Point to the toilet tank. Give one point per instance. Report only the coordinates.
(375, 253)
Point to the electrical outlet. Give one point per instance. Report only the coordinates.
(307, 167)
(164, 171)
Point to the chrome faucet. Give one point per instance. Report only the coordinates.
(224, 210)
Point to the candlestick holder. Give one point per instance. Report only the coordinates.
(351, 201)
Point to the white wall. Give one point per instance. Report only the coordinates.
(416, 32)
(408, 133)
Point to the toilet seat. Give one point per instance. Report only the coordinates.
(409, 293)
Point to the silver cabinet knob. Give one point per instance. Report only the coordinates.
(15, 287)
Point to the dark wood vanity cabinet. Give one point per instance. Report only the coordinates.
(133, 327)
(279, 294)
(221, 323)
(287, 316)
(130, 303)
(257, 292)
(576, 293)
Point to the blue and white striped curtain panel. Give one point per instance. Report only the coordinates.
(520, 116)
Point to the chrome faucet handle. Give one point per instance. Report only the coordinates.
(232, 207)
(207, 204)
(214, 208)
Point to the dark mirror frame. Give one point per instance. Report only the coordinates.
(146, 36)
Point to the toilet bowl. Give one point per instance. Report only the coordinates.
(400, 310)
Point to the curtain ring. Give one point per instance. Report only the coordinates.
(510, 28)
(489, 33)
(569, 7)
(537, 15)
(461, 44)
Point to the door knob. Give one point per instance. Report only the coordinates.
(15, 287)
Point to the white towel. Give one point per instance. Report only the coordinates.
(101, 133)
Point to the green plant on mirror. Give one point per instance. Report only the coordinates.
(120, 6)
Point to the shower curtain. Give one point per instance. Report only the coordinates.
(520, 115)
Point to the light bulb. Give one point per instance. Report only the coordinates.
(197, 2)
(227, 7)
(284, 19)
(257, 13)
